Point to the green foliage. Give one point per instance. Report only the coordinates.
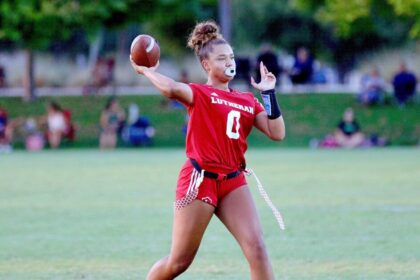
(411, 9)
(344, 13)
(34, 23)
(276, 22)
(353, 17)
(173, 20)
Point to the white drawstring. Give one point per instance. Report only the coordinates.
(267, 199)
(195, 182)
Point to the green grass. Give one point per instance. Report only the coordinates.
(307, 116)
(86, 214)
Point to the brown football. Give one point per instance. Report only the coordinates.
(145, 51)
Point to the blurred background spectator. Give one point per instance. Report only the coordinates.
(2, 76)
(5, 132)
(372, 88)
(348, 134)
(111, 123)
(405, 85)
(34, 138)
(243, 70)
(268, 56)
(102, 76)
(138, 130)
(301, 72)
(57, 126)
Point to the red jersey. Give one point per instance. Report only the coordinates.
(220, 121)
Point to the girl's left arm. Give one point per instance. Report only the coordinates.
(272, 126)
(274, 129)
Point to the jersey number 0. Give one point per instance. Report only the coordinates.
(232, 119)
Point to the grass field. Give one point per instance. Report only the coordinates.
(86, 214)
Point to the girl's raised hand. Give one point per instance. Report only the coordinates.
(268, 80)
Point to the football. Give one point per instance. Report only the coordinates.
(145, 50)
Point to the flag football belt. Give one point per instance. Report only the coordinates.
(216, 176)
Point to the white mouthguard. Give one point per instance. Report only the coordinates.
(230, 72)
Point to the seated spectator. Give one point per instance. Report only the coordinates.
(111, 123)
(2, 77)
(302, 70)
(319, 75)
(270, 60)
(347, 134)
(70, 132)
(243, 70)
(57, 125)
(5, 132)
(102, 76)
(138, 131)
(405, 85)
(372, 88)
(34, 138)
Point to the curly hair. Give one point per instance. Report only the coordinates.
(204, 36)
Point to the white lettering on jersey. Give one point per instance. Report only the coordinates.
(216, 100)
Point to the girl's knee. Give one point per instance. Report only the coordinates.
(179, 265)
(256, 251)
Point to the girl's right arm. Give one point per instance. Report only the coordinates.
(167, 86)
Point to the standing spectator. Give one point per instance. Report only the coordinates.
(111, 122)
(301, 72)
(372, 88)
(405, 85)
(269, 58)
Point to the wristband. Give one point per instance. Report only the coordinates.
(270, 104)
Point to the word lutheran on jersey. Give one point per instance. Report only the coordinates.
(216, 100)
(224, 120)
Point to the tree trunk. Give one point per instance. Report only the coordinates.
(29, 82)
(95, 48)
(225, 18)
(122, 51)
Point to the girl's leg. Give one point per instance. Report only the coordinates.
(238, 213)
(54, 139)
(189, 225)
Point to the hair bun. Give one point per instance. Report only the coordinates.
(203, 33)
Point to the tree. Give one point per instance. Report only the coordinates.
(173, 20)
(352, 17)
(362, 26)
(34, 24)
(338, 31)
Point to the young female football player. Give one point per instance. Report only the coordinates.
(212, 179)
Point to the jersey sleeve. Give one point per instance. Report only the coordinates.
(194, 89)
(258, 107)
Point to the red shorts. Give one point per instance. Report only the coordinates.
(209, 190)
